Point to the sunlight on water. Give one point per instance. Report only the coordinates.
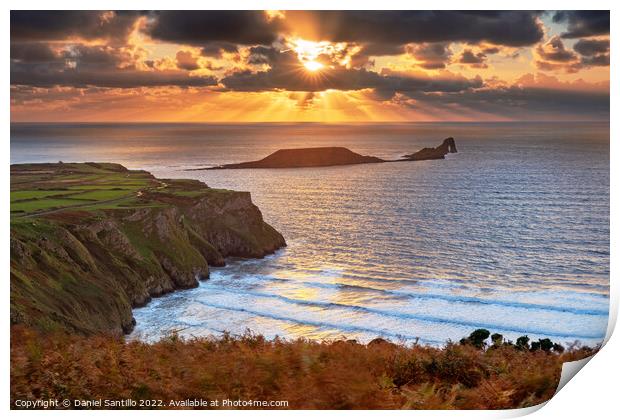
(509, 234)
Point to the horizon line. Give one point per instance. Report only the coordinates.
(310, 122)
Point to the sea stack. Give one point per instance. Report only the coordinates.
(430, 153)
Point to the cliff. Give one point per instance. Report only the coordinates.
(91, 241)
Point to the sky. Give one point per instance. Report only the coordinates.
(322, 66)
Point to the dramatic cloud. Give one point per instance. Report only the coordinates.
(584, 23)
(186, 61)
(555, 51)
(554, 56)
(521, 102)
(203, 27)
(102, 66)
(323, 64)
(119, 79)
(591, 47)
(595, 60)
(511, 28)
(286, 73)
(432, 56)
(216, 49)
(594, 52)
(477, 60)
(51, 25)
(32, 52)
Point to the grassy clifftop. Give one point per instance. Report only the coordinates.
(89, 241)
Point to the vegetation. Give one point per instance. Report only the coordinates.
(89, 241)
(307, 374)
(38, 188)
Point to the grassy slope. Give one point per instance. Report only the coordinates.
(89, 241)
(310, 375)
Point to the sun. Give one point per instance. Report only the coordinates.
(308, 53)
(313, 65)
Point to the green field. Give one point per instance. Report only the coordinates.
(44, 204)
(51, 187)
(35, 194)
(100, 195)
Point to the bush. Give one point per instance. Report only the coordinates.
(523, 342)
(307, 374)
(477, 337)
(497, 339)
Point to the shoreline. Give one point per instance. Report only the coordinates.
(394, 337)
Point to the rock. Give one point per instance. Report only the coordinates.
(308, 157)
(430, 153)
(332, 156)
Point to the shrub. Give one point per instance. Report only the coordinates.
(558, 348)
(476, 338)
(307, 374)
(497, 339)
(523, 342)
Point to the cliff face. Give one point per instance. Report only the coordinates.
(83, 270)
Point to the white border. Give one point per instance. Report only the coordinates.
(592, 395)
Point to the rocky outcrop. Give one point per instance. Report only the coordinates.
(308, 157)
(332, 156)
(430, 153)
(84, 271)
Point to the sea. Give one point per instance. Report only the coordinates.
(510, 234)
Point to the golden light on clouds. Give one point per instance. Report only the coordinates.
(306, 66)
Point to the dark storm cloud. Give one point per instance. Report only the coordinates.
(41, 54)
(202, 27)
(477, 60)
(287, 73)
(51, 25)
(511, 28)
(215, 49)
(81, 65)
(555, 56)
(516, 102)
(432, 56)
(491, 50)
(32, 52)
(379, 49)
(97, 56)
(590, 47)
(266, 55)
(595, 60)
(583, 23)
(41, 77)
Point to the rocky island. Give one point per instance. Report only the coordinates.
(89, 241)
(333, 156)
